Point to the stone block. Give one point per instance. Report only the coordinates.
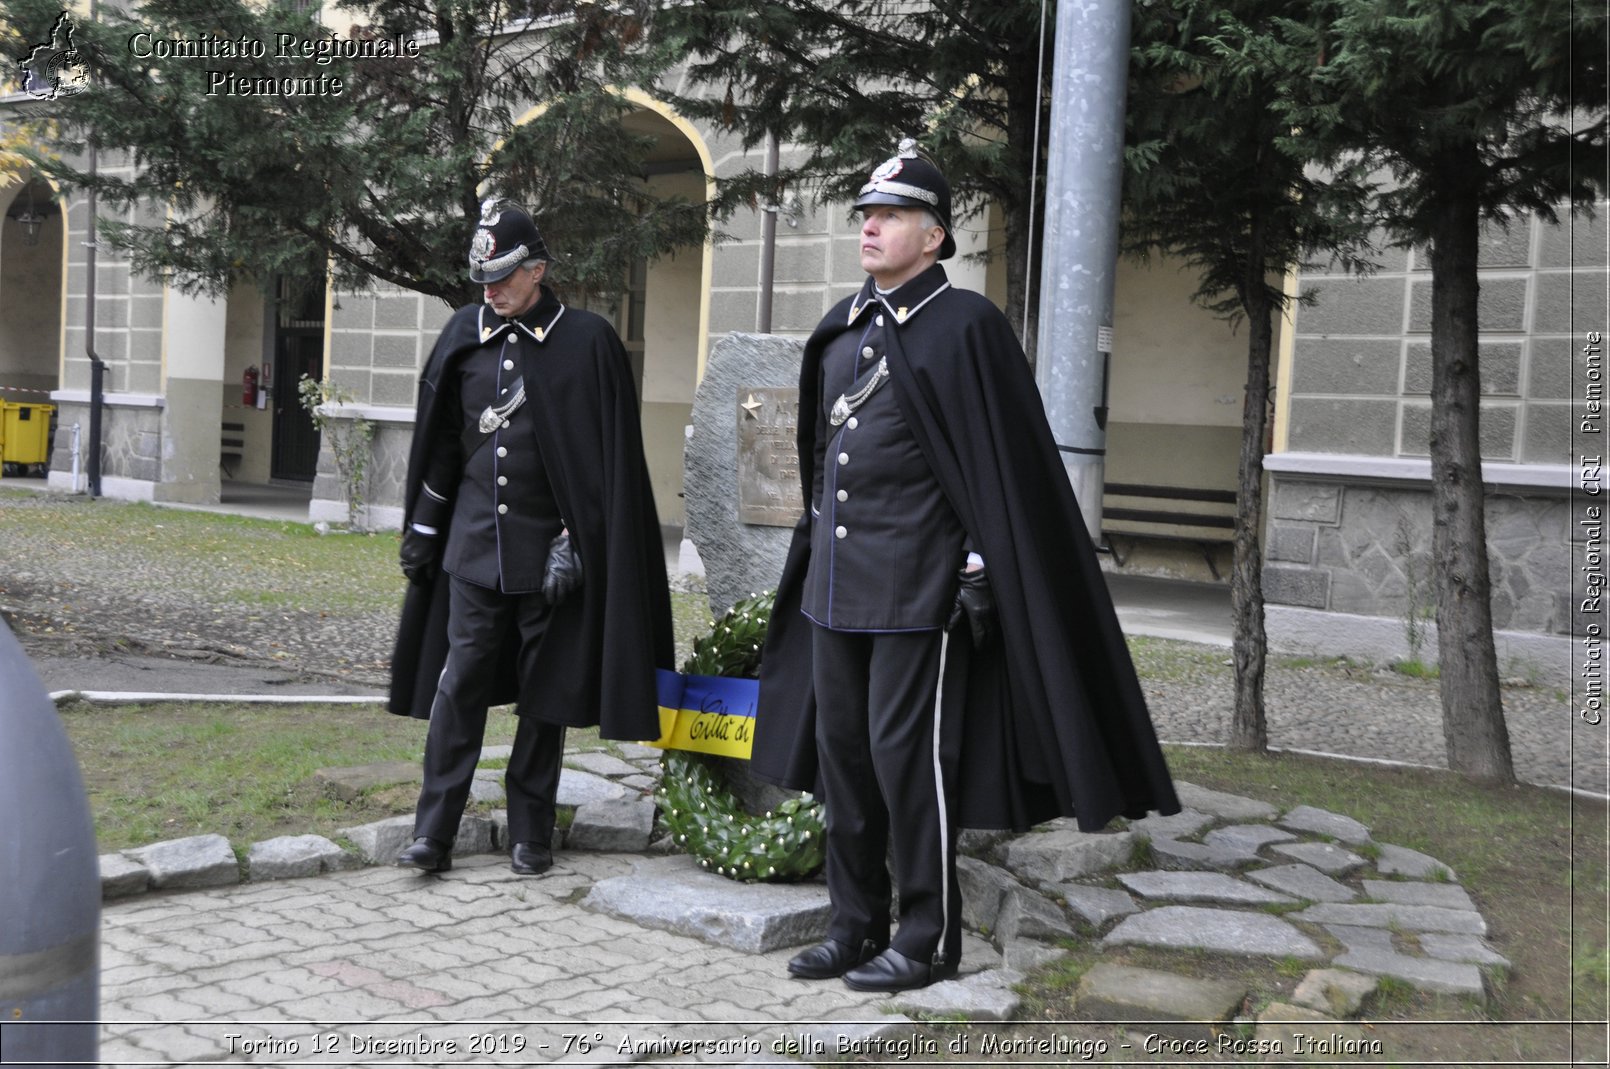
(1461, 948)
(1498, 427)
(1291, 544)
(1500, 306)
(739, 558)
(1168, 1002)
(291, 856)
(1500, 364)
(1219, 803)
(1182, 825)
(1428, 974)
(1323, 822)
(1575, 242)
(673, 894)
(1249, 838)
(1364, 427)
(1065, 854)
(1334, 991)
(1285, 584)
(486, 787)
(1174, 854)
(1548, 437)
(735, 267)
(1221, 931)
(1306, 1034)
(600, 763)
(1310, 503)
(380, 842)
(198, 861)
(351, 783)
(978, 996)
(1096, 906)
(1347, 366)
(1322, 856)
(801, 262)
(1303, 881)
(1342, 306)
(1210, 887)
(1394, 916)
(1567, 301)
(578, 788)
(1401, 861)
(397, 312)
(983, 887)
(121, 875)
(1027, 914)
(624, 825)
(474, 835)
(1410, 893)
(397, 351)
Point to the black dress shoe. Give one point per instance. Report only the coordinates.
(893, 971)
(830, 958)
(427, 855)
(530, 859)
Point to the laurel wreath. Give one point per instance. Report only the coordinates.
(705, 819)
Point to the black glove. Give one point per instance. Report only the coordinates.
(974, 600)
(418, 556)
(562, 577)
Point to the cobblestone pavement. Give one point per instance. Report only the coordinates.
(333, 969)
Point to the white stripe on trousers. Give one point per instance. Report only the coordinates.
(939, 797)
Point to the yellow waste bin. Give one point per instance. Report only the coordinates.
(24, 435)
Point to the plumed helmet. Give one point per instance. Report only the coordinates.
(505, 238)
(911, 180)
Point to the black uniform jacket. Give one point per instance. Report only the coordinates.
(1054, 720)
(604, 642)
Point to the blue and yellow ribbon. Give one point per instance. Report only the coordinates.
(708, 714)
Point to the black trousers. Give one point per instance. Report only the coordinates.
(479, 622)
(888, 763)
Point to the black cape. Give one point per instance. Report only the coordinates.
(1054, 721)
(604, 642)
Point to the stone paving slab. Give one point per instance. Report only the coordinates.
(1182, 825)
(1220, 804)
(1409, 893)
(1211, 887)
(1461, 948)
(1065, 854)
(1401, 861)
(1303, 881)
(1171, 1003)
(675, 895)
(1393, 915)
(1249, 838)
(1096, 905)
(1334, 991)
(1322, 856)
(1307, 818)
(1172, 853)
(1223, 931)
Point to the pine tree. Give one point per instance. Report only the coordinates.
(1477, 110)
(1215, 182)
(842, 81)
(382, 180)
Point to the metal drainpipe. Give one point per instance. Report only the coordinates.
(768, 243)
(97, 366)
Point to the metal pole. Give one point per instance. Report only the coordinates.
(50, 897)
(97, 366)
(768, 243)
(1084, 174)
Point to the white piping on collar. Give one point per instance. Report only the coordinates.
(487, 334)
(879, 297)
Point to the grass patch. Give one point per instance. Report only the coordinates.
(1416, 669)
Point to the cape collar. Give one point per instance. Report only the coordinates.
(905, 300)
(537, 322)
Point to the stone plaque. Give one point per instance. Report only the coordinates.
(768, 456)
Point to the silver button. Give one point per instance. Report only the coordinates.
(840, 532)
(843, 495)
(503, 451)
(508, 365)
(502, 509)
(503, 391)
(868, 352)
(844, 458)
(878, 321)
(505, 424)
(503, 480)
(854, 423)
(511, 339)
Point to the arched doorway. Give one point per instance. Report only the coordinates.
(31, 267)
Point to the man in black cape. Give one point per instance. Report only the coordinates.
(942, 544)
(532, 546)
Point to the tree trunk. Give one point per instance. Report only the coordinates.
(1249, 731)
(1473, 727)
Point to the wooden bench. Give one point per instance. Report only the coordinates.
(1136, 511)
(231, 443)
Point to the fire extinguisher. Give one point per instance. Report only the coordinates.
(248, 387)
